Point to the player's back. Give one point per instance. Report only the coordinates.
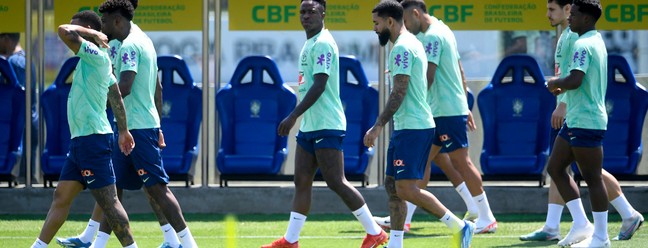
(408, 58)
(446, 96)
(586, 104)
(137, 54)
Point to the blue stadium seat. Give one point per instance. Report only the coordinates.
(12, 121)
(435, 171)
(54, 104)
(626, 102)
(360, 103)
(249, 114)
(516, 125)
(181, 117)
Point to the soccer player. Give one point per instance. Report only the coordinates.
(92, 228)
(137, 75)
(413, 127)
(580, 138)
(558, 12)
(447, 98)
(319, 141)
(88, 163)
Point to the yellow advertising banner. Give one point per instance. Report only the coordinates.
(13, 16)
(459, 15)
(284, 15)
(149, 15)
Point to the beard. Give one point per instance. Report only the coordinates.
(383, 37)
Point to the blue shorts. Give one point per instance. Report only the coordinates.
(408, 153)
(88, 161)
(451, 132)
(580, 137)
(144, 165)
(311, 141)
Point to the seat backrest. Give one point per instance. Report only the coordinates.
(250, 112)
(516, 114)
(54, 104)
(470, 99)
(626, 102)
(360, 102)
(12, 115)
(181, 107)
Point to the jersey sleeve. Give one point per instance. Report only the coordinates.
(322, 57)
(581, 57)
(433, 48)
(401, 57)
(90, 53)
(129, 57)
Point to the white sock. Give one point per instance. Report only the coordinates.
(600, 225)
(622, 206)
(577, 212)
(395, 239)
(411, 208)
(455, 224)
(187, 239)
(133, 245)
(170, 235)
(483, 207)
(39, 244)
(467, 198)
(90, 231)
(366, 219)
(295, 225)
(101, 240)
(554, 213)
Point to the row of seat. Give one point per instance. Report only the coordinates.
(514, 112)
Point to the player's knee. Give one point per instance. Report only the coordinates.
(405, 191)
(62, 199)
(302, 182)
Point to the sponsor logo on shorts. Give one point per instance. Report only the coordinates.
(318, 141)
(141, 172)
(87, 173)
(398, 163)
(399, 171)
(444, 137)
(448, 145)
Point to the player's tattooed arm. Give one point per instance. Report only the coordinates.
(401, 82)
(158, 97)
(117, 103)
(114, 213)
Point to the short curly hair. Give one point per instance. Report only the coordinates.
(89, 17)
(124, 7)
(590, 7)
(134, 3)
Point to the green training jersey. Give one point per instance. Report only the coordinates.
(562, 56)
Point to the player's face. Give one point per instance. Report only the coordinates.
(412, 23)
(381, 29)
(109, 25)
(576, 19)
(311, 15)
(556, 14)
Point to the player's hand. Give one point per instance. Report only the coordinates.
(558, 116)
(126, 142)
(552, 87)
(101, 39)
(161, 142)
(371, 135)
(471, 122)
(286, 125)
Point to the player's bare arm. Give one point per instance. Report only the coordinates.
(311, 97)
(158, 106)
(471, 122)
(401, 82)
(431, 73)
(71, 35)
(573, 81)
(126, 142)
(126, 80)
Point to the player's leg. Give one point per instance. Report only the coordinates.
(114, 213)
(64, 194)
(88, 234)
(631, 218)
(560, 159)
(590, 161)
(305, 168)
(147, 160)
